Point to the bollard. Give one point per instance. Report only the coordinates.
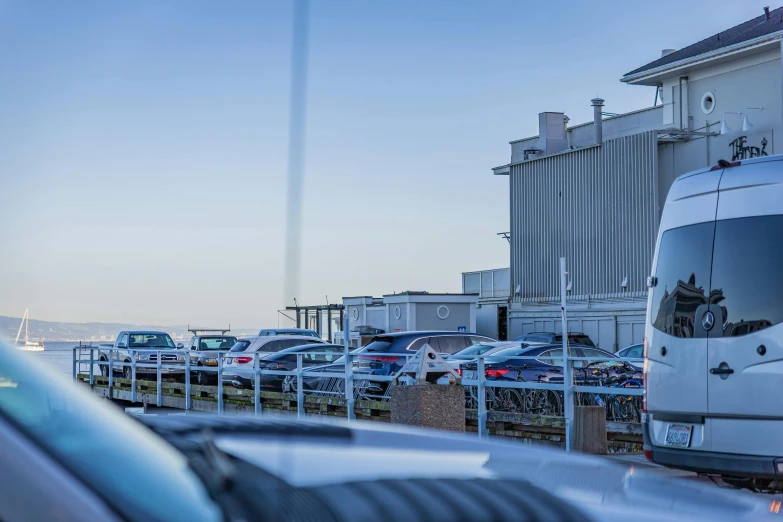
(426, 403)
(187, 381)
(299, 388)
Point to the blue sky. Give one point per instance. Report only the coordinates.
(143, 145)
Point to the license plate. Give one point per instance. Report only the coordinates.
(210, 363)
(469, 374)
(678, 435)
(229, 360)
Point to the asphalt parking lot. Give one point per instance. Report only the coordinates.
(638, 461)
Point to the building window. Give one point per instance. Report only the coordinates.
(443, 312)
(707, 102)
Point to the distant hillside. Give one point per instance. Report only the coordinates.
(52, 331)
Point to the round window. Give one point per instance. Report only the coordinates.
(355, 314)
(443, 312)
(397, 312)
(707, 102)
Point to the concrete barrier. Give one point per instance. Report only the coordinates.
(435, 406)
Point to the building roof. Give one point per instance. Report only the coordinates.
(750, 30)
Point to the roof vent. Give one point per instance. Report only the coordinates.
(552, 132)
(766, 13)
(667, 52)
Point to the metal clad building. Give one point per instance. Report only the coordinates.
(595, 206)
(594, 192)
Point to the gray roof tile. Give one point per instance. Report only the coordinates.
(749, 30)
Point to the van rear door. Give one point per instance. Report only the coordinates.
(746, 343)
(677, 346)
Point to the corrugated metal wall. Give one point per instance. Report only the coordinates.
(595, 206)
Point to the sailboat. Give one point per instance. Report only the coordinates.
(27, 346)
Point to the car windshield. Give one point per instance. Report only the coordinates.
(130, 467)
(378, 345)
(471, 351)
(508, 352)
(150, 340)
(217, 343)
(241, 346)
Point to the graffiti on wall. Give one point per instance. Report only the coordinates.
(740, 149)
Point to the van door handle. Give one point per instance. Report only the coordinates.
(721, 371)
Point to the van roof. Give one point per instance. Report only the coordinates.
(706, 184)
(763, 159)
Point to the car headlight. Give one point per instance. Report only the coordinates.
(181, 357)
(142, 357)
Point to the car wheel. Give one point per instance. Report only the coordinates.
(127, 372)
(104, 368)
(201, 377)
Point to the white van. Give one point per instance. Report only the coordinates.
(714, 338)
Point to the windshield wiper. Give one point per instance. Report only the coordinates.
(213, 466)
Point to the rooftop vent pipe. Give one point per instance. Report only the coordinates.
(598, 122)
(667, 52)
(766, 13)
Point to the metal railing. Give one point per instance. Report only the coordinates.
(544, 396)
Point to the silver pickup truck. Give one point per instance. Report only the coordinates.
(143, 346)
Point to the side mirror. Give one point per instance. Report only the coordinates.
(180, 346)
(121, 345)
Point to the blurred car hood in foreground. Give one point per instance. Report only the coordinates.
(319, 454)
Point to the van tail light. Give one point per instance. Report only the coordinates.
(648, 454)
(243, 360)
(496, 373)
(458, 371)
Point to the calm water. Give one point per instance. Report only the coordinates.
(59, 356)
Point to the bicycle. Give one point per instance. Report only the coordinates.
(618, 407)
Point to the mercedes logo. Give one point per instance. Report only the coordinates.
(708, 321)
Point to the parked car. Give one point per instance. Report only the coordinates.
(635, 351)
(201, 345)
(471, 352)
(211, 468)
(288, 331)
(286, 360)
(144, 346)
(507, 365)
(715, 324)
(239, 361)
(544, 364)
(383, 356)
(553, 338)
(368, 330)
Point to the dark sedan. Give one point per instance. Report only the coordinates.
(285, 360)
(385, 355)
(545, 364)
